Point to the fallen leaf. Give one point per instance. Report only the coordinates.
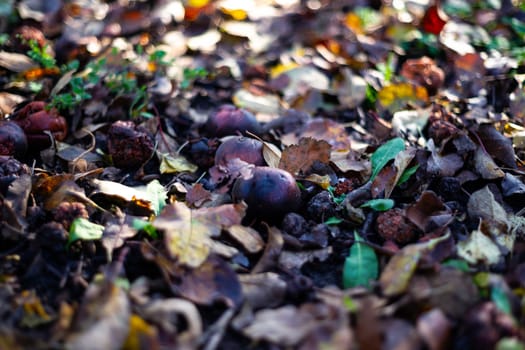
(478, 248)
(248, 237)
(271, 253)
(188, 232)
(197, 195)
(498, 146)
(175, 163)
(426, 207)
(394, 97)
(384, 154)
(361, 266)
(299, 159)
(16, 62)
(162, 313)
(141, 334)
(102, 318)
(482, 204)
(293, 261)
(212, 281)
(486, 166)
(396, 275)
(271, 154)
(263, 290)
(187, 238)
(321, 129)
(286, 325)
(83, 229)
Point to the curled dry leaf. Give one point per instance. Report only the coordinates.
(162, 312)
(498, 146)
(428, 212)
(272, 251)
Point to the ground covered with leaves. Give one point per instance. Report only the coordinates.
(264, 174)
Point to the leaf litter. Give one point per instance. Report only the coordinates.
(400, 124)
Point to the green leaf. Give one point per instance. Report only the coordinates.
(146, 226)
(458, 264)
(361, 265)
(406, 174)
(157, 195)
(501, 300)
(510, 344)
(384, 154)
(380, 204)
(333, 221)
(83, 229)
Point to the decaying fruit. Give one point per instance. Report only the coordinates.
(37, 122)
(129, 146)
(230, 120)
(13, 140)
(246, 149)
(270, 192)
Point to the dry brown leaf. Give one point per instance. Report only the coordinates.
(263, 290)
(272, 251)
(197, 195)
(286, 326)
(212, 281)
(299, 159)
(248, 237)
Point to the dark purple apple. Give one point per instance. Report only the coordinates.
(246, 149)
(230, 120)
(270, 193)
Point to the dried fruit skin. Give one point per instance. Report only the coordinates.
(128, 145)
(230, 120)
(393, 226)
(13, 140)
(36, 121)
(270, 193)
(66, 212)
(246, 149)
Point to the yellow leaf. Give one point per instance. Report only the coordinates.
(394, 97)
(281, 68)
(175, 164)
(188, 232)
(140, 334)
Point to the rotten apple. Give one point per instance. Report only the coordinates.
(270, 192)
(38, 123)
(246, 149)
(13, 140)
(230, 120)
